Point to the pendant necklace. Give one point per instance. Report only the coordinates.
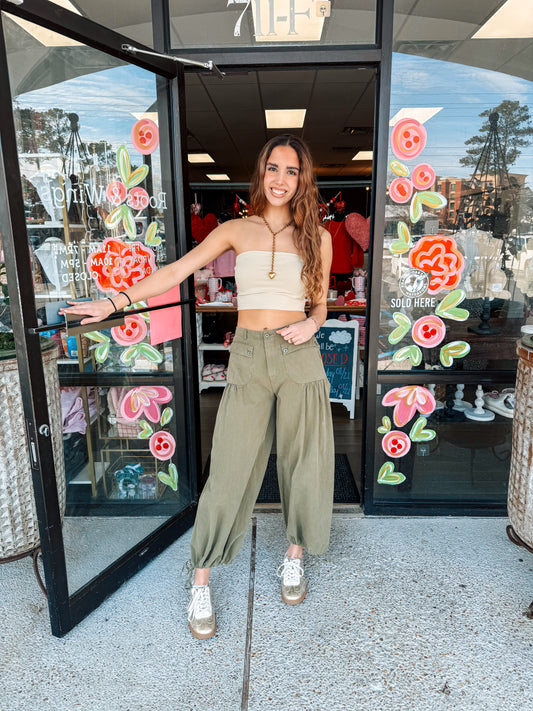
(272, 273)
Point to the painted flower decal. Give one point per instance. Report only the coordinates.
(423, 176)
(396, 443)
(116, 192)
(145, 136)
(162, 445)
(407, 400)
(428, 331)
(401, 190)
(408, 138)
(438, 255)
(133, 330)
(144, 401)
(117, 266)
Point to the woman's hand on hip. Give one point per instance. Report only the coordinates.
(298, 332)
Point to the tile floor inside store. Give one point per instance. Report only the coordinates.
(402, 613)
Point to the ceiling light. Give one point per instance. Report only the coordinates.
(200, 158)
(289, 22)
(152, 115)
(509, 22)
(421, 114)
(363, 155)
(285, 118)
(217, 176)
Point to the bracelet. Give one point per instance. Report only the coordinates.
(111, 300)
(313, 319)
(127, 297)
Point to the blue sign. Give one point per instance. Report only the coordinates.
(337, 347)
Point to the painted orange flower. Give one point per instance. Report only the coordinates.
(439, 257)
(117, 265)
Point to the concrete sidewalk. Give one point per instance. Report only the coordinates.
(402, 613)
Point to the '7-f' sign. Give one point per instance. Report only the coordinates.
(237, 28)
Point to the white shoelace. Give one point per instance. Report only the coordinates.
(200, 605)
(291, 571)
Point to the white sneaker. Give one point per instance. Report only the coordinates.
(293, 583)
(201, 617)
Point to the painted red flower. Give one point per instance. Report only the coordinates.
(144, 401)
(401, 190)
(407, 401)
(428, 331)
(438, 256)
(162, 445)
(133, 330)
(408, 138)
(396, 443)
(117, 266)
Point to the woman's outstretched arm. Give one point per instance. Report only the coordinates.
(216, 243)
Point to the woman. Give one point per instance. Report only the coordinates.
(275, 382)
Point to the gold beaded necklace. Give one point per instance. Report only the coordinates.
(272, 273)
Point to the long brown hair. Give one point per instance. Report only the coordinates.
(303, 206)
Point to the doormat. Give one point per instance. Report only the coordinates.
(344, 490)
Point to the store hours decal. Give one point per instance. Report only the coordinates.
(434, 266)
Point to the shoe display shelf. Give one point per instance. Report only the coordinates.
(207, 347)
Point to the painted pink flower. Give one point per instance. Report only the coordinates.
(428, 331)
(116, 192)
(396, 443)
(423, 176)
(162, 445)
(407, 400)
(144, 401)
(115, 266)
(401, 190)
(138, 198)
(408, 138)
(133, 330)
(145, 136)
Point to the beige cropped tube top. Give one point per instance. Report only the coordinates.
(255, 290)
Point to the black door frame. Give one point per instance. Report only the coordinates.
(66, 611)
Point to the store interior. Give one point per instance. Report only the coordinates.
(332, 109)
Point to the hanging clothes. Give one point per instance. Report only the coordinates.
(347, 254)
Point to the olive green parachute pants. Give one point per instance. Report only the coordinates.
(272, 386)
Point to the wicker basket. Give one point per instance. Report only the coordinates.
(19, 532)
(520, 493)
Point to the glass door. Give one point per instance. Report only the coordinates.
(91, 185)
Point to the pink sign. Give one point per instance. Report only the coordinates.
(165, 324)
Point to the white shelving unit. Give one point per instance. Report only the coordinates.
(202, 347)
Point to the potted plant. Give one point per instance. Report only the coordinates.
(19, 533)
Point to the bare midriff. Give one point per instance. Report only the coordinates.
(267, 319)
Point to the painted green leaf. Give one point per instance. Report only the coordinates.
(403, 243)
(455, 349)
(399, 168)
(170, 479)
(101, 351)
(412, 352)
(434, 200)
(415, 208)
(447, 307)
(387, 475)
(149, 352)
(128, 354)
(166, 416)
(137, 176)
(129, 222)
(152, 238)
(97, 336)
(404, 324)
(385, 425)
(146, 431)
(419, 434)
(114, 218)
(123, 164)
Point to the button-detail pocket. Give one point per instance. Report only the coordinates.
(303, 363)
(241, 363)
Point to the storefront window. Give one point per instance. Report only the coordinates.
(428, 450)
(458, 256)
(267, 23)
